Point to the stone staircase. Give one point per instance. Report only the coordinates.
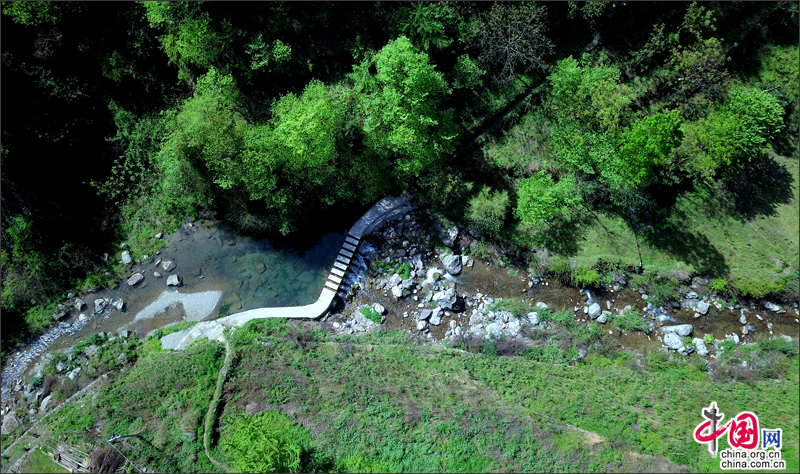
(342, 263)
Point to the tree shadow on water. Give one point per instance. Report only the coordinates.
(757, 190)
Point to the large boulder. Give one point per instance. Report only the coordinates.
(417, 263)
(681, 330)
(135, 279)
(702, 307)
(700, 346)
(595, 310)
(446, 299)
(126, 257)
(436, 317)
(45, 404)
(100, 304)
(533, 317)
(446, 233)
(603, 318)
(494, 329)
(452, 263)
(60, 315)
(379, 309)
(10, 423)
(79, 304)
(397, 292)
(174, 280)
(425, 314)
(673, 341)
(168, 265)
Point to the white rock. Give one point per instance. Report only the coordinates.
(702, 307)
(126, 257)
(595, 310)
(681, 330)
(397, 292)
(379, 308)
(540, 305)
(174, 280)
(700, 346)
(673, 341)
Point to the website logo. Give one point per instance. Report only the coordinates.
(745, 451)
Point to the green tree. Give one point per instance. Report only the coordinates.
(487, 210)
(36, 13)
(426, 23)
(647, 146)
(467, 73)
(700, 68)
(590, 95)
(733, 134)
(400, 108)
(540, 199)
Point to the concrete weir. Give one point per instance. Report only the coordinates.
(385, 210)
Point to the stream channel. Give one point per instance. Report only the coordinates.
(224, 273)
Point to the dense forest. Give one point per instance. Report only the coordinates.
(120, 119)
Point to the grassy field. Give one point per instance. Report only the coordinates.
(386, 402)
(39, 462)
(701, 239)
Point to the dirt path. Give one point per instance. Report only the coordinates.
(212, 407)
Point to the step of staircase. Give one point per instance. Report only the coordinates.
(352, 240)
(343, 259)
(337, 272)
(335, 279)
(349, 246)
(331, 286)
(346, 253)
(340, 265)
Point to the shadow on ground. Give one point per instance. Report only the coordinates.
(758, 189)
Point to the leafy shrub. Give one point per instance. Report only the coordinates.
(582, 276)
(561, 270)
(757, 288)
(727, 346)
(777, 344)
(487, 210)
(718, 284)
(708, 339)
(515, 306)
(370, 313)
(266, 442)
(630, 321)
(481, 250)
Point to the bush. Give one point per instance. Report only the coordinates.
(585, 277)
(708, 339)
(630, 321)
(718, 284)
(266, 442)
(487, 210)
(561, 270)
(370, 313)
